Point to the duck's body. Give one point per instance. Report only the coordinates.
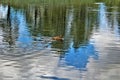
(58, 38)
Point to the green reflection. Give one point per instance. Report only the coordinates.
(46, 20)
(68, 18)
(53, 21)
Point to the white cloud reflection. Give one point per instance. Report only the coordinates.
(106, 40)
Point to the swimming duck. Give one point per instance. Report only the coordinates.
(58, 38)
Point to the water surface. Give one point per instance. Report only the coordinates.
(90, 49)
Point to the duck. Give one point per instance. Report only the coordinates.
(58, 38)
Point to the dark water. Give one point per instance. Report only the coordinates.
(90, 49)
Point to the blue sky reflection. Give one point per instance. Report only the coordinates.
(19, 18)
(79, 57)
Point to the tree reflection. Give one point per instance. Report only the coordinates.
(55, 21)
(68, 21)
(8, 36)
(9, 28)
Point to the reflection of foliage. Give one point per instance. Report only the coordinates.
(50, 19)
(79, 24)
(10, 33)
(57, 44)
(48, 2)
(58, 2)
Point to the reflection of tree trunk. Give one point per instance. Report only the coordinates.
(36, 15)
(69, 22)
(41, 18)
(9, 28)
(8, 15)
(87, 25)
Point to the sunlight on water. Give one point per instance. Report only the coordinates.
(89, 49)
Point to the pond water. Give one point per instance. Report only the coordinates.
(90, 49)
